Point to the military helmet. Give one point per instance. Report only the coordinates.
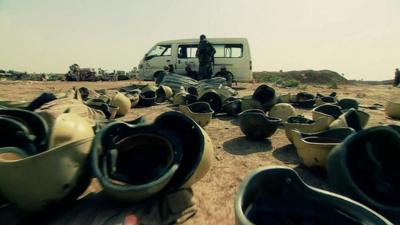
(149, 87)
(305, 125)
(266, 96)
(134, 162)
(232, 107)
(147, 98)
(348, 103)
(121, 101)
(325, 99)
(304, 100)
(213, 98)
(277, 195)
(180, 98)
(200, 112)
(282, 111)
(256, 125)
(365, 167)
(249, 103)
(326, 110)
(355, 119)
(15, 134)
(69, 127)
(45, 179)
(33, 122)
(134, 98)
(163, 93)
(392, 109)
(197, 148)
(313, 148)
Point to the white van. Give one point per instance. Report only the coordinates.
(232, 54)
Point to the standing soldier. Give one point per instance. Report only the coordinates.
(205, 52)
(396, 78)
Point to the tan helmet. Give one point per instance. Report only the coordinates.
(305, 125)
(200, 112)
(282, 111)
(180, 98)
(69, 127)
(326, 110)
(121, 101)
(353, 118)
(149, 87)
(392, 109)
(45, 179)
(163, 93)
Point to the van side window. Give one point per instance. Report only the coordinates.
(187, 51)
(228, 51)
(160, 50)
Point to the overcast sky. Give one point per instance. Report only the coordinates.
(360, 38)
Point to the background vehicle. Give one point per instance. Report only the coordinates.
(232, 58)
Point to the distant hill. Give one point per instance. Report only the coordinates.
(303, 76)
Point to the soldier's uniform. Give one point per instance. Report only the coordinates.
(205, 53)
(396, 78)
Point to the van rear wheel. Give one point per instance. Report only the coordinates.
(228, 76)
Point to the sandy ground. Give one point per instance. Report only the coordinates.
(235, 156)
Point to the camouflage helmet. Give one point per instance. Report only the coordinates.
(122, 102)
(277, 195)
(200, 112)
(364, 167)
(69, 127)
(34, 123)
(45, 179)
(256, 125)
(282, 111)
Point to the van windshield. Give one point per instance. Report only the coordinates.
(159, 50)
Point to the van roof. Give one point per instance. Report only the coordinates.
(196, 40)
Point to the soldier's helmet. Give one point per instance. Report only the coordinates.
(277, 195)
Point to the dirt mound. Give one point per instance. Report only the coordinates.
(303, 76)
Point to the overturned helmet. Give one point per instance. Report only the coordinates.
(201, 112)
(256, 125)
(122, 102)
(277, 195)
(282, 111)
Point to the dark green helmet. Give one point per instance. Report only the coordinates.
(365, 167)
(277, 195)
(266, 96)
(256, 125)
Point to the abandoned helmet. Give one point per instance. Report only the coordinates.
(134, 98)
(325, 99)
(232, 107)
(122, 102)
(355, 119)
(249, 103)
(147, 98)
(256, 125)
(163, 93)
(45, 179)
(392, 109)
(180, 98)
(213, 98)
(326, 110)
(365, 167)
(282, 111)
(200, 112)
(266, 96)
(35, 124)
(69, 127)
(149, 87)
(348, 103)
(313, 148)
(277, 195)
(196, 144)
(285, 98)
(305, 125)
(304, 100)
(134, 162)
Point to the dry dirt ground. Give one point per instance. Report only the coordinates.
(235, 156)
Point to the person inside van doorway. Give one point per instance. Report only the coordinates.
(396, 81)
(205, 52)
